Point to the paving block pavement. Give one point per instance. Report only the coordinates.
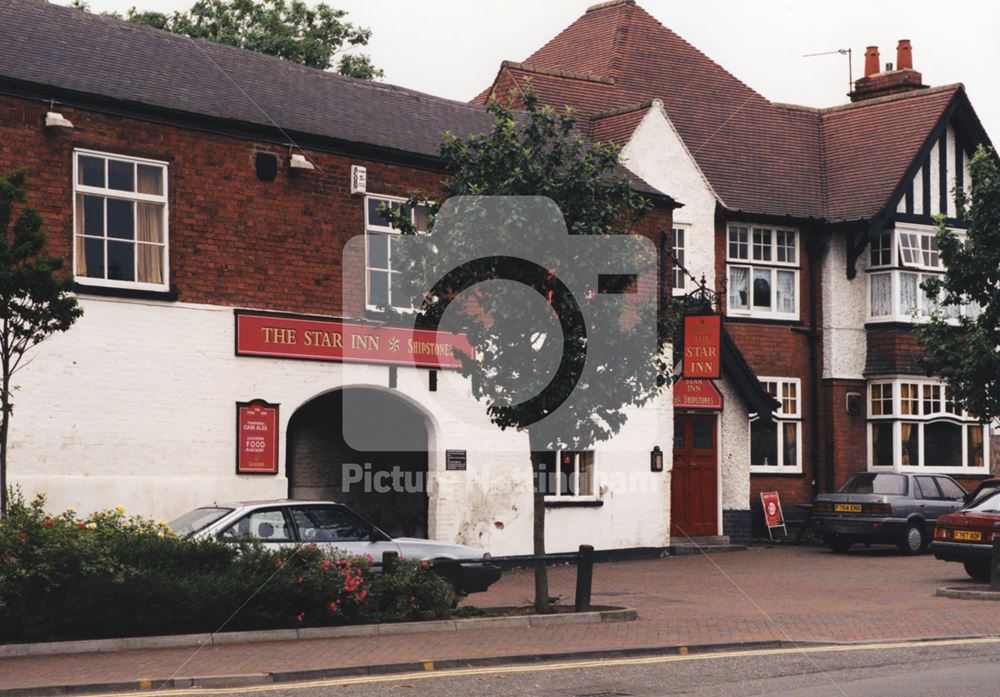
(786, 594)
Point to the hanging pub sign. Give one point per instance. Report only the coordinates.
(256, 437)
(320, 339)
(697, 394)
(702, 343)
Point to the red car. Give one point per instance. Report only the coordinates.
(967, 534)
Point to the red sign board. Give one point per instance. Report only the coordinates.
(702, 342)
(772, 509)
(256, 437)
(697, 394)
(278, 336)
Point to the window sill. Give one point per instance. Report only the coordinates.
(788, 321)
(569, 502)
(777, 471)
(930, 469)
(169, 295)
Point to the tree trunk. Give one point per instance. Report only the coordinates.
(538, 549)
(4, 427)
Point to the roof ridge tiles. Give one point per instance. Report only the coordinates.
(609, 3)
(529, 68)
(638, 106)
(899, 96)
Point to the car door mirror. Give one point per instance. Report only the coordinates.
(376, 535)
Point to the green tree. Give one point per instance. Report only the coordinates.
(35, 297)
(294, 31)
(531, 154)
(965, 349)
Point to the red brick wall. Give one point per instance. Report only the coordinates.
(892, 350)
(779, 349)
(846, 437)
(234, 240)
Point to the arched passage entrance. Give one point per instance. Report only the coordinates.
(379, 469)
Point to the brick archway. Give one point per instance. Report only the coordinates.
(372, 457)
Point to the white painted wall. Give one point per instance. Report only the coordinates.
(658, 155)
(734, 449)
(135, 405)
(845, 311)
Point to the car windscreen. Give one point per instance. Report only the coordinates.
(988, 501)
(876, 483)
(198, 519)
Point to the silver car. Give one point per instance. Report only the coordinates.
(334, 527)
(885, 507)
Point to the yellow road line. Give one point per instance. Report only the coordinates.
(430, 673)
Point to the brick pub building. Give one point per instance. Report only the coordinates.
(816, 226)
(164, 172)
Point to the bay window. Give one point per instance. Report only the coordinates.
(912, 423)
(120, 221)
(762, 272)
(899, 261)
(777, 446)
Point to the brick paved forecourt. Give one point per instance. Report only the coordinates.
(782, 594)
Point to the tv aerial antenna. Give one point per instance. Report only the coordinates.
(843, 52)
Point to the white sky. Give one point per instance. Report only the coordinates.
(453, 48)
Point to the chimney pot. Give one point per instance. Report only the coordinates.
(871, 60)
(904, 55)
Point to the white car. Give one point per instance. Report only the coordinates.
(335, 527)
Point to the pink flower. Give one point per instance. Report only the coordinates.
(301, 616)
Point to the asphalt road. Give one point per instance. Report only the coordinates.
(953, 668)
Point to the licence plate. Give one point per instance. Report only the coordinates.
(968, 535)
(847, 508)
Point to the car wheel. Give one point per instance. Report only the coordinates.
(913, 539)
(978, 570)
(840, 545)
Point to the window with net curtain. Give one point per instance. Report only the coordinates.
(120, 228)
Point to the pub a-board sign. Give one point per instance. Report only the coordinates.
(256, 437)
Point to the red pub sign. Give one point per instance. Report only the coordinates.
(318, 339)
(256, 437)
(702, 341)
(697, 394)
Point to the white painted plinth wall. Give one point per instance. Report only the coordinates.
(135, 405)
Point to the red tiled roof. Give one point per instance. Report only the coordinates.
(868, 147)
(759, 156)
(617, 127)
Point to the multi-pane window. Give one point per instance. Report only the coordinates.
(679, 241)
(899, 262)
(763, 272)
(914, 423)
(382, 282)
(776, 446)
(567, 474)
(120, 221)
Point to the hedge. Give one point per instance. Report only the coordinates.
(109, 575)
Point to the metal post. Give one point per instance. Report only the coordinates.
(390, 560)
(584, 578)
(995, 565)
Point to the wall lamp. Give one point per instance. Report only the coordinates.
(297, 161)
(54, 119)
(656, 459)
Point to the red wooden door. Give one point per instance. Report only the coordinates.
(694, 483)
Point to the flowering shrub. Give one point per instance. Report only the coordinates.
(109, 574)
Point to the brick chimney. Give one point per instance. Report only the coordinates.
(889, 81)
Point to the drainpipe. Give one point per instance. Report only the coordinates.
(815, 250)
